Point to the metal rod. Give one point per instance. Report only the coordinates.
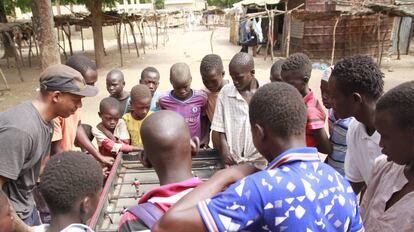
(151, 170)
(125, 197)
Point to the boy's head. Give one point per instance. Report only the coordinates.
(85, 66)
(115, 83)
(140, 101)
(109, 112)
(64, 88)
(277, 112)
(394, 120)
(6, 217)
(296, 71)
(180, 79)
(275, 71)
(241, 70)
(167, 142)
(324, 87)
(71, 185)
(151, 78)
(212, 72)
(355, 82)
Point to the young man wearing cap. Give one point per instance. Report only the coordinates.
(26, 132)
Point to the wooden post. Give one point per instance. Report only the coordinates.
(379, 37)
(142, 33)
(334, 40)
(399, 39)
(81, 32)
(4, 80)
(289, 16)
(131, 25)
(68, 35)
(271, 20)
(382, 47)
(118, 37)
(126, 37)
(211, 41)
(156, 30)
(16, 58)
(30, 51)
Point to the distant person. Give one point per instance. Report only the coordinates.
(140, 109)
(212, 73)
(71, 186)
(275, 71)
(184, 100)
(115, 85)
(151, 78)
(296, 71)
(168, 149)
(26, 133)
(7, 215)
(387, 202)
(355, 85)
(231, 116)
(251, 40)
(68, 131)
(338, 128)
(296, 192)
(115, 138)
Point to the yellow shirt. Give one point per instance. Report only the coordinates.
(134, 126)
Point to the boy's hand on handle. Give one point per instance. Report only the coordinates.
(230, 175)
(106, 160)
(229, 159)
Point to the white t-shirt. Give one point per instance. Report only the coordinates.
(71, 228)
(361, 152)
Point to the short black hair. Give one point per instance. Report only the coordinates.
(277, 67)
(211, 62)
(81, 63)
(68, 177)
(148, 70)
(400, 100)
(140, 92)
(115, 72)
(279, 106)
(109, 103)
(242, 60)
(298, 62)
(359, 74)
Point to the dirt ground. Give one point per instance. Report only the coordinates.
(182, 46)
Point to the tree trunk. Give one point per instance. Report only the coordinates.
(43, 20)
(8, 49)
(95, 7)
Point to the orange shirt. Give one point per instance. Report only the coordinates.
(64, 129)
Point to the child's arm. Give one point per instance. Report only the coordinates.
(324, 145)
(117, 147)
(224, 149)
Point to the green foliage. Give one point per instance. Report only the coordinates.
(159, 4)
(9, 5)
(222, 3)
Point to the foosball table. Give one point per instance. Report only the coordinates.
(128, 180)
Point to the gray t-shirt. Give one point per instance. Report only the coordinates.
(25, 139)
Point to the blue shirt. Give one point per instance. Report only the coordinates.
(295, 193)
(338, 129)
(154, 100)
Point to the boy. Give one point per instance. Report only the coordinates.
(388, 200)
(337, 128)
(151, 78)
(115, 84)
(295, 193)
(168, 148)
(68, 131)
(71, 186)
(231, 116)
(212, 73)
(140, 108)
(184, 100)
(296, 71)
(118, 139)
(6, 214)
(355, 85)
(26, 133)
(275, 71)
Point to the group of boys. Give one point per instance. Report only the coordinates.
(270, 135)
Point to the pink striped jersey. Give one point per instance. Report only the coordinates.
(191, 109)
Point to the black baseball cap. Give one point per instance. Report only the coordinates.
(65, 79)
